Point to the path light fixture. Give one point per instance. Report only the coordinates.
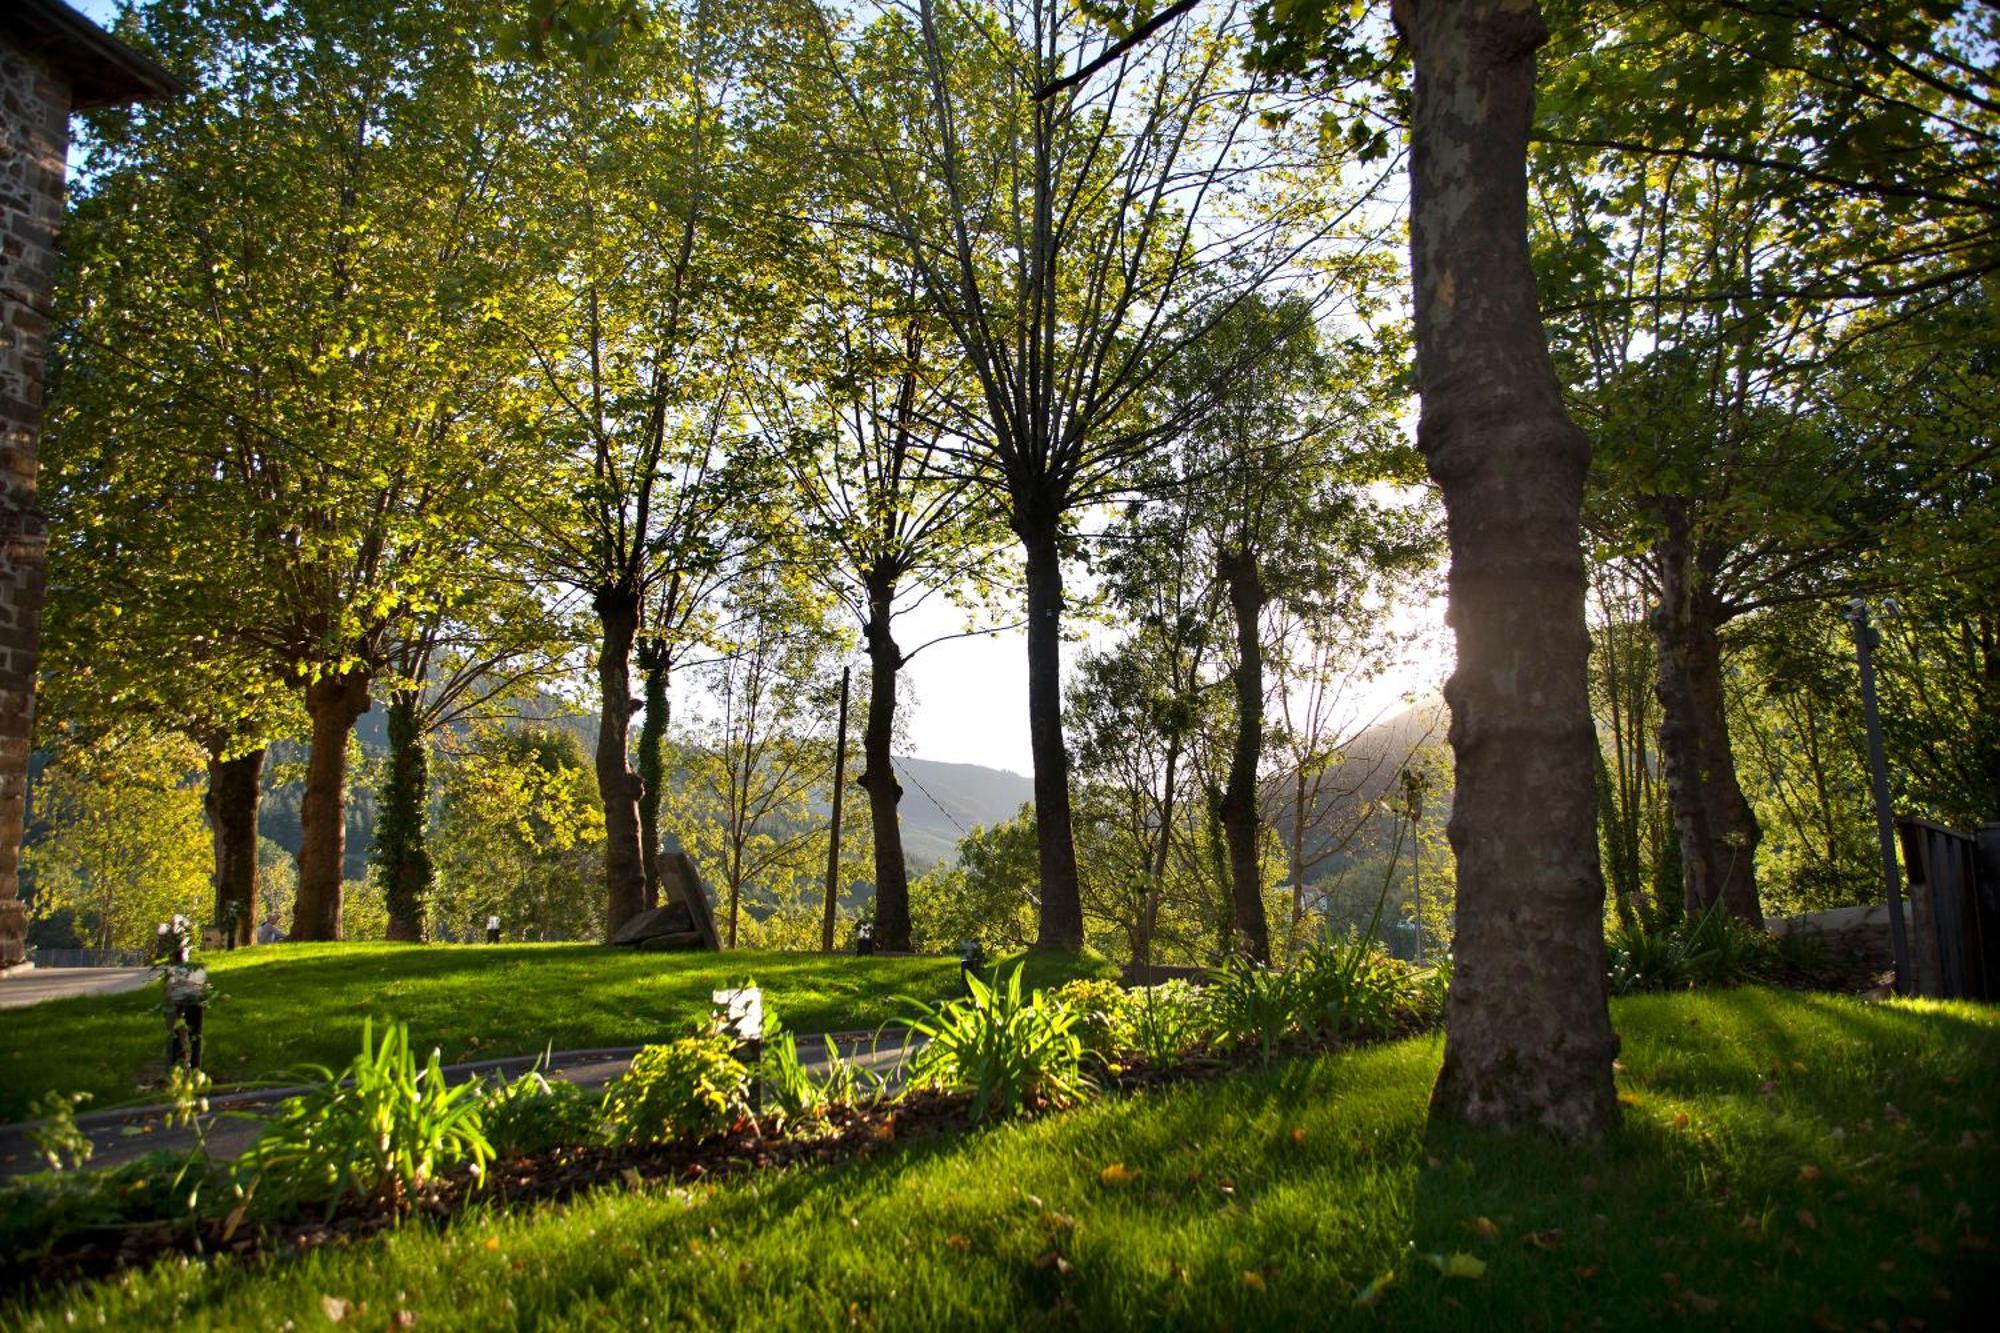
(1866, 640)
(971, 961)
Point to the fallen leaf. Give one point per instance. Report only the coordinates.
(1117, 1174)
(959, 1243)
(492, 1242)
(1458, 1264)
(1371, 1295)
(1053, 1260)
(1586, 1272)
(335, 1308)
(885, 1131)
(1807, 1220)
(1254, 1281)
(1681, 1120)
(1484, 1228)
(1808, 1174)
(1545, 1240)
(1699, 1303)
(1298, 1134)
(405, 1318)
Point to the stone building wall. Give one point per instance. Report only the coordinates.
(34, 144)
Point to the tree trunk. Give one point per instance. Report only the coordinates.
(652, 766)
(617, 785)
(234, 789)
(1718, 831)
(1528, 1039)
(1239, 795)
(402, 848)
(878, 772)
(335, 704)
(1061, 925)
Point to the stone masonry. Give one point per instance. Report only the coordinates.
(34, 120)
(52, 61)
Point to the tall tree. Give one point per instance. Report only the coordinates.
(1067, 240)
(859, 423)
(1528, 1038)
(304, 250)
(650, 224)
(1275, 471)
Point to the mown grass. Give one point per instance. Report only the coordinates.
(285, 1005)
(1785, 1159)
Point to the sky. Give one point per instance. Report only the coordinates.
(968, 700)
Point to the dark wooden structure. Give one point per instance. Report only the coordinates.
(1954, 883)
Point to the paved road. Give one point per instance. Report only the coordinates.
(34, 985)
(121, 1136)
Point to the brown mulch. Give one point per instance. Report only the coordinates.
(846, 1133)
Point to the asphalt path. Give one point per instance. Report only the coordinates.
(36, 985)
(235, 1119)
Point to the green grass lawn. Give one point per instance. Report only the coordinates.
(1784, 1158)
(288, 1004)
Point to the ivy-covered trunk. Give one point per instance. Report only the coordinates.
(656, 667)
(1239, 794)
(1528, 1039)
(618, 786)
(235, 786)
(402, 848)
(1718, 832)
(334, 704)
(878, 771)
(1061, 924)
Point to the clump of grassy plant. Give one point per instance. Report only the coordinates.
(1351, 989)
(1168, 1021)
(1254, 1005)
(382, 1129)
(1011, 1052)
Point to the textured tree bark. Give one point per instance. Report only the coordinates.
(1528, 1039)
(234, 790)
(1061, 924)
(652, 766)
(402, 846)
(878, 771)
(334, 704)
(1718, 831)
(1239, 794)
(618, 786)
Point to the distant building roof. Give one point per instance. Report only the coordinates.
(100, 69)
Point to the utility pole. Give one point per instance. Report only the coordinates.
(1414, 785)
(839, 787)
(1865, 640)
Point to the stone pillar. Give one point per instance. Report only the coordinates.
(34, 143)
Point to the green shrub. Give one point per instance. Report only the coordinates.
(383, 1129)
(531, 1115)
(1252, 1004)
(1101, 1008)
(1010, 1053)
(1351, 989)
(685, 1089)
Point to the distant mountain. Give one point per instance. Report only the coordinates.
(943, 802)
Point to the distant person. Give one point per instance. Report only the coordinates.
(268, 932)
